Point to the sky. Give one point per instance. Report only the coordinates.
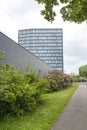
(24, 14)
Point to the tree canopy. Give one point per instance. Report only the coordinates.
(72, 10)
(83, 71)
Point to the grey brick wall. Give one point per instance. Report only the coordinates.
(19, 57)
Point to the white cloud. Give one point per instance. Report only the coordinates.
(20, 14)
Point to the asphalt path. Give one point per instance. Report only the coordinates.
(74, 116)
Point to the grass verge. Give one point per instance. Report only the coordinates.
(44, 116)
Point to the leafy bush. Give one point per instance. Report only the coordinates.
(67, 80)
(43, 86)
(17, 99)
(58, 80)
(31, 77)
(20, 93)
(9, 75)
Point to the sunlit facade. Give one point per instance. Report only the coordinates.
(46, 44)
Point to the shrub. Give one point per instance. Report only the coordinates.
(67, 81)
(57, 80)
(9, 75)
(20, 93)
(43, 86)
(31, 77)
(7, 100)
(16, 100)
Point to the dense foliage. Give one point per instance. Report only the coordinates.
(83, 71)
(19, 93)
(75, 11)
(45, 115)
(58, 80)
(72, 10)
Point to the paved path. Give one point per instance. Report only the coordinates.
(74, 116)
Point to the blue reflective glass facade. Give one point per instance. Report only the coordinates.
(46, 44)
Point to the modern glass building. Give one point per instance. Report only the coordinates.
(46, 44)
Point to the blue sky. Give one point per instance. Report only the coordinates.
(23, 14)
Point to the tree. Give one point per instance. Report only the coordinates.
(83, 71)
(72, 10)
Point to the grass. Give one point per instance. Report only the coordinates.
(45, 115)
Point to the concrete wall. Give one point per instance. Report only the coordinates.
(20, 57)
